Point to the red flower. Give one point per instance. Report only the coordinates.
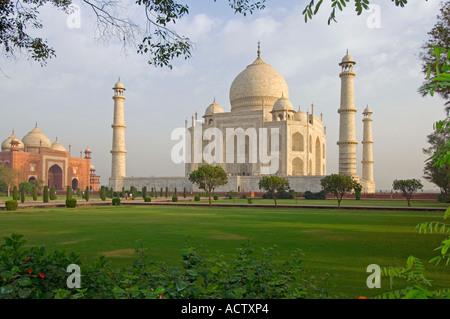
(28, 258)
(29, 271)
(362, 297)
(160, 296)
(41, 275)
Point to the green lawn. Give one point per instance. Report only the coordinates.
(342, 243)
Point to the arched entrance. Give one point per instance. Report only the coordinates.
(32, 178)
(297, 167)
(74, 184)
(55, 177)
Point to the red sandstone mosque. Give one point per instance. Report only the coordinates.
(37, 158)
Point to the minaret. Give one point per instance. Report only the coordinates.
(367, 181)
(347, 140)
(118, 165)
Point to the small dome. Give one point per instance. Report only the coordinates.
(92, 168)
(88, 151)
(283, 104)
(118, 85)
(58, 147)
(6, 144)
(35, 138)
(213, 108)
(367, 110)
(347, 59)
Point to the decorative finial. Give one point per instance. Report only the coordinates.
(259, 49)
(13, 132)
(36, 125)
(347, 51)
(214, 99)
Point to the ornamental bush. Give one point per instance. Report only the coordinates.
(174, 199)
(147, 199)
(71, 202)
(22, 196)
(45, 195)
(11, 204)
(52, 193)
(15, 194)
(197, 198)
(116, 201)
(216, 197)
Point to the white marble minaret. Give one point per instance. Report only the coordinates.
(367, 181)
(118, 165)
(347, 140)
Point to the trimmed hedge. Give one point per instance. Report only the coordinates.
(174, 199)
(116, 201)
(216, 197)
(71, 202)
(11, 204)
(197, 198)
(147, 199)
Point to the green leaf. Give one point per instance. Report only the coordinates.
(24, 281)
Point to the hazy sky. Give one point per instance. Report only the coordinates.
(71, 98)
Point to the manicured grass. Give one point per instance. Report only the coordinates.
(344, 202)
(342, 243)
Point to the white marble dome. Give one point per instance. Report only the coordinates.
(283, 104)
(213, 109)
(35, 138)
(257, 83)
(58, 146)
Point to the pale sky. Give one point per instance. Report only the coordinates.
(71, 98)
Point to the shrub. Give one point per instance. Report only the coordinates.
(358, 194)
(11, 204)
(15, 194)
(22, 196)
(78, 192)
(68, 192)
(320, 195)
(34, 193)
(184, 192)
(71, 202)
(116, 201)
(197, 198)
(45, 195)
(249, 200)
(86, 194)
(52, 193)
(103, 193)
(216, 197)
(147, 199)
(243, 196)
(443, 198)
(174, 199)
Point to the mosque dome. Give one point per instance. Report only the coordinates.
(283, 104)
(213, 108)
(58, 147)
(347, 59)
(119, 85)
(257, 83)
(6, 144)
(35, 138)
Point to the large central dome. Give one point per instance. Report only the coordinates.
(257, 83)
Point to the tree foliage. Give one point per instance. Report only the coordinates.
(436, 174)
(208, 178)
(312, 8)
(9, 176)
(339, 185)
(273, 185)
(407, 187)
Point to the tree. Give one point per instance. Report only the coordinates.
(38, 184)
(45, 195)
(273, 185)
(15, 195)
(68, 193)
(313, 7)
(339, 185)
(435, 64)
(34, 193)
(9, 176)
(156, 38)
(144, 192)
(22, 195)
(52, 193)
(86, 194)
(208, 178)
(26, 186)
(407, 187)
(440, 176)
(103, 193)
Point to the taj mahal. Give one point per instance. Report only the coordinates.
(259, 100)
